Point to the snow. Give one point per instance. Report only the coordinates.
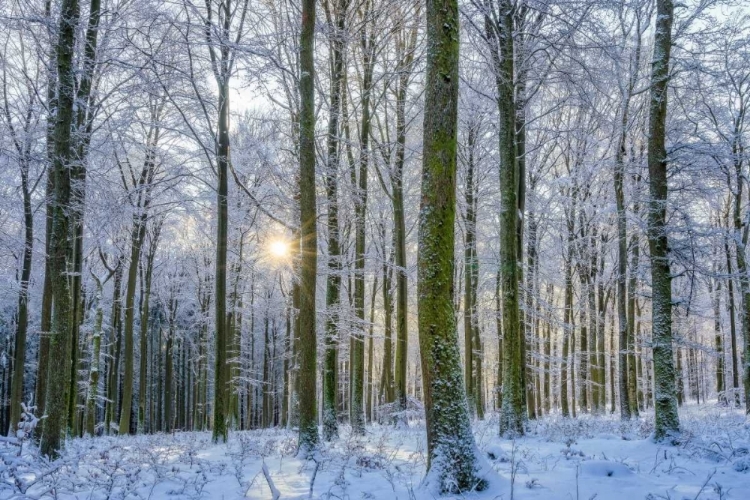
(559, 458)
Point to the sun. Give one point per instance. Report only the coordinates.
(279, 249)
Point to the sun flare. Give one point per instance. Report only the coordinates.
(279, 249)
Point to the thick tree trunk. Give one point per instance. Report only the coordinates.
(221, 384)
(56, 406)
(451, 451)
(40, 391)
(500, 38)
(667, 420)
(308, 414)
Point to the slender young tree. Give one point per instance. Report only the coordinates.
(452, 464)
(96, 345)
(359, 181)
(337, 27)
(140, 198)
(221, 43)
(22, 141)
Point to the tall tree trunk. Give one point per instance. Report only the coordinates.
(667, 420)
(333, 284)
(136, 243)
(40, 391)
(115, 341)
(399, 227)
(622, 269)
(530, 318)
(370, 354)
(22, 320)
(83, 129)
(625, 326)
(451, 451)
(308, 414)
(471, 272)
(267, 389)
(565, 365)
(740, 239)
(360, 210)
(221, 384)
(500, 37)
(56, 405)
(144, 334)
(732, 326)
(93, 385)
(549, 394)
(387, 389)
(715, 293)
(499, 328)
(631, 337)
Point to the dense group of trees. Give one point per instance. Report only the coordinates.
(227, 214)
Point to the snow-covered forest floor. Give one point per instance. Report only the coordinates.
(583, 458)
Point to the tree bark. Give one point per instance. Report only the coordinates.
(356, 410)
(60, 246)
(451, 460)
(333, 284)
(665, 404)
(500, 37)
(308, 415)
(22, 321)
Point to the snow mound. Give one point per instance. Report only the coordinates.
(495, 453)
(603, 468)
(742, 465)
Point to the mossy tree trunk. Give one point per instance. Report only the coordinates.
(499, 32)
(83, 127)
(40, 391)
(452, 463)
(56, 406)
